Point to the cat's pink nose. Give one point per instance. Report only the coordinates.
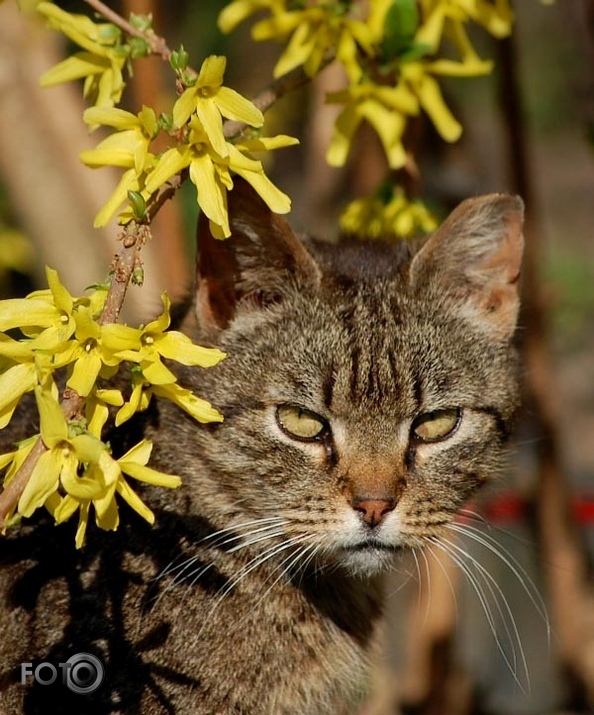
(373, 511)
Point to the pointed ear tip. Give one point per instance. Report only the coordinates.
(507, 203)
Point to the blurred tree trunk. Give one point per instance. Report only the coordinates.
(563, 553)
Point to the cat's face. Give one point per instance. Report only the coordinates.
(367, 393)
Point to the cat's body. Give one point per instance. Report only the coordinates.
(367, 393)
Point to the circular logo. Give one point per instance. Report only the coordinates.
(85, 673)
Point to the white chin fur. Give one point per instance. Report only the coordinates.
(366, 562)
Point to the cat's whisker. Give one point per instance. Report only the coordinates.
(262, 537)
(192, 577)
(480, 581)
(177, 578)
(274, 520)
(285, 568)
(215, 537)
(254, 563)
(512, 563)
(447, 577)
(472, 515)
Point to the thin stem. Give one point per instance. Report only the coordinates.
(156, 42)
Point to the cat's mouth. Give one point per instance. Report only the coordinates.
(372, 544)
(368, 557)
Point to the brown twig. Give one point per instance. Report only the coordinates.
(156, 42)
(277, 89)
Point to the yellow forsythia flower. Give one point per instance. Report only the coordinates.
(313, 32)
(211, 101)
(390, 217)
(77, 472)
(101, 62)
(106, 479)
(211, 173)
(128, 148)
(385, 108)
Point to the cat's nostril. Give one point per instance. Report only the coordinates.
(373, 511)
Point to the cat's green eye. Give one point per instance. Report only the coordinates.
(300, 423)
(436, 425)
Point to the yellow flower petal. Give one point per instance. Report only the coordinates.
(76, 67)
(88, 448)
(233, 105)
(212, 122)
(212, 71)
(15, 349)
(471, 67)
(83, 520)
(198, 408)
(54, 428)
(80, 488)
(96, 414)
(389, 125)
(156, 373)
(111, 397)
(184, 107)
(43, 482)
(177, 346)
(114, 117)
(236, 12)
(132, 406)
(164, 320)
(432, 102)
(345, 127)
(277, 201)
(170, 163)
(140, 453)
(6, 459)
(280, 141)
(118, 149)
(124, 489)
(128, 182)
(62, 298)
(84, 373)
(66, 508)
(150, 476)
(106, 511)
(298, 50)
(79, 28)
(25, 312)
(212, 197)
(117, 337)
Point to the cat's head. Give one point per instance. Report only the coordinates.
(368, 389)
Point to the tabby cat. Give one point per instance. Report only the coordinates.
(367, 393)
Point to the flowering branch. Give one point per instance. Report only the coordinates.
(157, 43)
(72, 404)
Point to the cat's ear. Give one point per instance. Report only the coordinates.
(475, 258)
(251, 268)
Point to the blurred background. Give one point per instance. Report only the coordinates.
(510, 629)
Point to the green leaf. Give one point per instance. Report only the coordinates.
(144, 23)
(139, 47)
(138, 205)
(401, 23)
